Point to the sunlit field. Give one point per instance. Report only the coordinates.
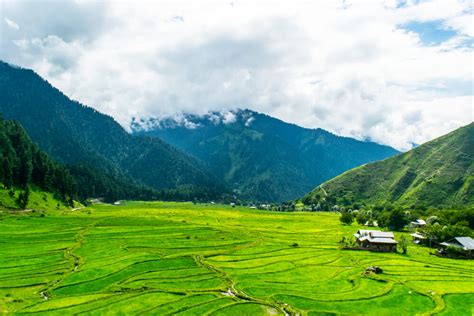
(185, 259)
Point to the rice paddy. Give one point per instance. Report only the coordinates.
(184, 259)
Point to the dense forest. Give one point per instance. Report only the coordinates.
(23, 164)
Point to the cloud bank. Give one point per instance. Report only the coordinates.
(395, 72)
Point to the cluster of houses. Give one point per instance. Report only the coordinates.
(376, 240)
(463, 244)
(418, 238)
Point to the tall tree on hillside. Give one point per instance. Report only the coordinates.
(23, 165)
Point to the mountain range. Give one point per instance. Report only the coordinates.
(203, 157)
(439, 174)
(260, 157)
(105, 159)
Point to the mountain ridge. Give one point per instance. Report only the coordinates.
(439, 173)
(82, 137)
(261, 157)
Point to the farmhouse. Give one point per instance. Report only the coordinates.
(418, 223)
(464, 244)
(376, 240)
(418, 238)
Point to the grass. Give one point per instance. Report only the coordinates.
(185, 259)
(39, 200)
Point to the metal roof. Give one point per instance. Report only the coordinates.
(466, 242)
(363, 232)
(418, 222)
(416, 235)
(383, 241)
(379, 234)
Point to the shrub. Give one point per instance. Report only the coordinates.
(403, 244)
(346, 218)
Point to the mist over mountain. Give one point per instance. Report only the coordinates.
(106, 159)
(260, 157)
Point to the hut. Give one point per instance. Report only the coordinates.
(418, 223)
(418, 238)
(464, 245)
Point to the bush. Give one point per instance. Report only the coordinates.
(395, 219)
(403, 245)
(362, 217)
(346, 218)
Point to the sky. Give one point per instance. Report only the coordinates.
(395, 72)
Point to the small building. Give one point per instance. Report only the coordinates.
(418, 238)
(371, 223)
(464, 244)
(376, 240)
(418, 223)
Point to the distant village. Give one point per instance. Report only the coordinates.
(384, 241)
(422, 232)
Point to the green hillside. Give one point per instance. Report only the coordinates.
(439, 173)
(28, 177)
(38, 199)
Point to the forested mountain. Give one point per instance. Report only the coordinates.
(23, 164)
(105, 159)
(439, 173)
(261, 157)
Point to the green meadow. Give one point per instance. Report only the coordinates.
(185, 259)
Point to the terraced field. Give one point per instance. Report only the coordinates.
(185, 259)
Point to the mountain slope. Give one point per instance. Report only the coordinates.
(261, 157)
(23, 167)
(93, 143)
(437, 173)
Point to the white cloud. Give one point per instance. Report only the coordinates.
(229, 118)
(12, 24)
(346, 67)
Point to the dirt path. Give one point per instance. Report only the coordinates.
(234, 292)
(324, 191)
(74, 259)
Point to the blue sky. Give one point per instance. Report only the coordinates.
(396, 72)
(430, 32)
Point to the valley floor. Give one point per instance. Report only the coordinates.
(185, 259)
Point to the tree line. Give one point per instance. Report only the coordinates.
(23, 164)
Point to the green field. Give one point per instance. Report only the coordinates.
(185, 259)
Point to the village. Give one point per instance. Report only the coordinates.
(384, 241)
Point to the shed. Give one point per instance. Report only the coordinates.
(418, 238)
(418, 223)
(465, 243)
